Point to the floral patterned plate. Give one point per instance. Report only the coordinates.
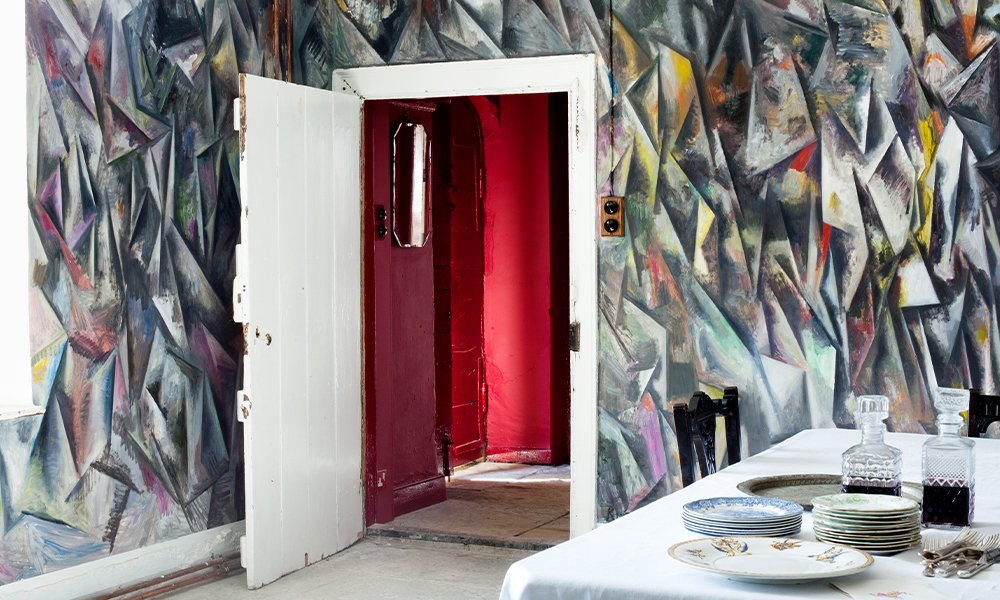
(770, 559)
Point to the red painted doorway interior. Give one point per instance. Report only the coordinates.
(466, 338)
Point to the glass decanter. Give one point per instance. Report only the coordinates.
(872, 467)
(949, 463)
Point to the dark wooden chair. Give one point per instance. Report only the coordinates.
(695, 425)
(983, 411)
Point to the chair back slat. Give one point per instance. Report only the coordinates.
(984, 410)
(695, 426)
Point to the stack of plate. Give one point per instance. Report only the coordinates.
(743, 516)
(873, 523)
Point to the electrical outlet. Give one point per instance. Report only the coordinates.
(612, 211)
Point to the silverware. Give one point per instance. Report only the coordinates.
(984, 562)
(966, 537)
(962, 559)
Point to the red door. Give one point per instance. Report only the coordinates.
(401, 411)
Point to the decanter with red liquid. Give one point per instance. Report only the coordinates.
(872, 467)
(949, 465)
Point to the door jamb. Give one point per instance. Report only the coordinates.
(577, 76)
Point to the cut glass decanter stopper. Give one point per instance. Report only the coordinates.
(872, 467)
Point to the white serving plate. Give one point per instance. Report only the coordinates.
(742, 508)
(770, 559)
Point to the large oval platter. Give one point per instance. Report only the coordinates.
(770, 559)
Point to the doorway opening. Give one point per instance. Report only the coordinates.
(302, 308)
(467, 335)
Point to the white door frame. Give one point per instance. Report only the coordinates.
(575, 75)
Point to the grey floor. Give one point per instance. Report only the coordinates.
(379, 568)
(505, 512)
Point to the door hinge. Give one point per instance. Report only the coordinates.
(574, 337)
(243, 409)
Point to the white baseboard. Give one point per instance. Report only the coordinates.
(106, 575)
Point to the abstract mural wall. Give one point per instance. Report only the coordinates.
(810, 190)
(811, 195)
(134, 214)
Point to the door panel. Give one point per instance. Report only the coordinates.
(299, 270)
(401, 410)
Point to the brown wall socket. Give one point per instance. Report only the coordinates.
(612, 211)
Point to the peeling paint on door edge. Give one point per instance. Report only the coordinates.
(243, 114)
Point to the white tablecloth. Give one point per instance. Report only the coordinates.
(628, 557)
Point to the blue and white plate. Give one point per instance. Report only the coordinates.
(775, 532)
(743, 522)
(743, 509)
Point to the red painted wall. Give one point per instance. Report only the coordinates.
(521, 423)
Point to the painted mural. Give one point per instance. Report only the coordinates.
(810, 189)
(134, 214)
(811, 194)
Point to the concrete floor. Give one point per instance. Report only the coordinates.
(378, 568)
(504, 511)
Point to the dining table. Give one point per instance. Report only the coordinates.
(628, 558)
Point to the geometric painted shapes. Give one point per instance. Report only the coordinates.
(677, 92)
(416, 43)
(648, 418)
(489, 14)
(17, 440)
(948, 165)
(461, 37)
(355, 46)
(860, 32)
(629, 58)
(187, 56)
(942, 325)
(892, 188)
(528, 32)
(779, 124)
(974, 95)
(852, 107)
(705, 261)
(880, 134)
(940, 66)
(840, 195)
(644, 97)
(789, 411)
(613, 434)
(52, 546)
(821, 376)
(915, 285)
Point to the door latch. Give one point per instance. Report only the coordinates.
(574, 336)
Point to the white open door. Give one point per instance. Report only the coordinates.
(298, 294)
